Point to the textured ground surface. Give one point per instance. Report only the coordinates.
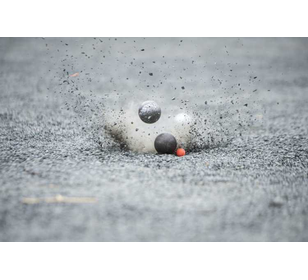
(253, 188)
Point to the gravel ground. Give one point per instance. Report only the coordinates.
(62, 178)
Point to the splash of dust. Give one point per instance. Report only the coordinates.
(196, 126)
(209, 96)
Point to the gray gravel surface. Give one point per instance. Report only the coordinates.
(251, 187)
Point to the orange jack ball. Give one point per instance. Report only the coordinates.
(180, 152)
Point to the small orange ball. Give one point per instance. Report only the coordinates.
(180, 152)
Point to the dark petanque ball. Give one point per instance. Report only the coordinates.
(165, 143)
(149, 112)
